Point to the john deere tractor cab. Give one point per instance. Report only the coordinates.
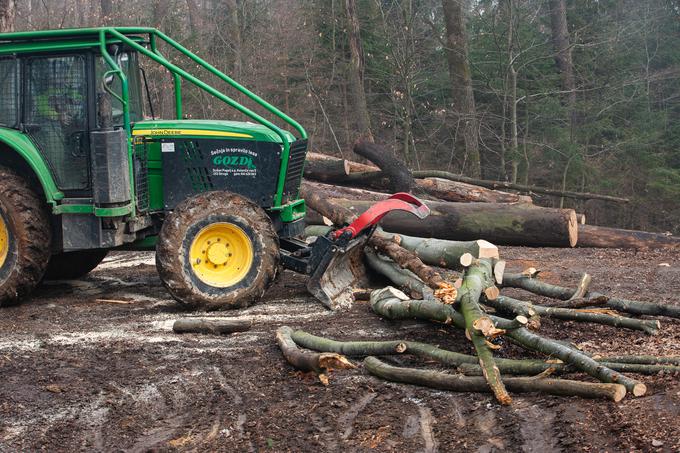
(83, 171)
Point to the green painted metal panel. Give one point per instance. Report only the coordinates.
(24, 147)
(12, 48)
(164, 128)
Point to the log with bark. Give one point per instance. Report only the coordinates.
(444, 381)
(478, 326)
(459, 191)
(319, 363)
(536, 286)
(211, 326)
(319, 167)
(519, 307)
(501, 224)
(405, 309)
(397, 173)
(603, 237)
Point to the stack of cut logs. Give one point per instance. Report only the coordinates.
(441, 271)
(464, 208)
(445, 269)
(472, 301)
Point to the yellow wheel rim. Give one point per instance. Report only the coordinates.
(221, 254)
(4, 241)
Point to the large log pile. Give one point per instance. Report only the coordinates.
(465, 208)
(468, 296)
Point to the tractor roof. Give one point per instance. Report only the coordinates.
(64, 39)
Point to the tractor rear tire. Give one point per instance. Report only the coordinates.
(217, 250)
(72, 265)
(25, 237)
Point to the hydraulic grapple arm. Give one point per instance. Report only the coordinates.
(334, 262)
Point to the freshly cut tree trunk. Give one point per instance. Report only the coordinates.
(354, 167)
(578, 359)
(409, 260)
(320, 363)
(211, 326)
(603, 237)
(395, 308)
(333, 191)
(443, 381)
(371, 176)
(398, 174)
(475, 280)
(541, 288)
(443, 253)
(338, 214)
(460, 191)
(508, 304)
(534, 367)
(501, 224)
(326, 170)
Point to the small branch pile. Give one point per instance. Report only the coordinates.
(468, 297)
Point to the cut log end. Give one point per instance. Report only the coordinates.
(446, 293)
(487, 249)
(498, 271)
(332, 361)
(639, 389)
(619, 393)
(492, 293)
(573, 228)
(466, 260)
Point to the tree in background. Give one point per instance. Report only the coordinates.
(609, 124)
(355, 71)
(462, 96)
(7, 15)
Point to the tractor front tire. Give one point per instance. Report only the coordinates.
(72, 265)
(25, 237)
(217, 250)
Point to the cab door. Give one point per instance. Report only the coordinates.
(56, 117)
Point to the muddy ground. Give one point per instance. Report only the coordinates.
(79, 373)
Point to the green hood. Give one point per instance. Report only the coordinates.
(235, 130)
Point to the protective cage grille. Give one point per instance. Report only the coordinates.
(296, 163)
(141, 177)
(56, 117)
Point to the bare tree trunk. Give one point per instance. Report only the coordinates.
(107, 10)
(236, 40)
(356, 71)
(560, 37)
(195, 21)
(8, 9)
(461, 80)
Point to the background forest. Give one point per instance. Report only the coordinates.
(579, 95)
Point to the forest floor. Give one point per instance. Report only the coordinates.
(79, 373)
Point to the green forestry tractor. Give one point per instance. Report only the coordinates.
(86, 168)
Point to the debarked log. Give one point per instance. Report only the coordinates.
(444, 381)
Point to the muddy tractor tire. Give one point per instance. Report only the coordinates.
(217, 250)
(72, 265)
(25, 237)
